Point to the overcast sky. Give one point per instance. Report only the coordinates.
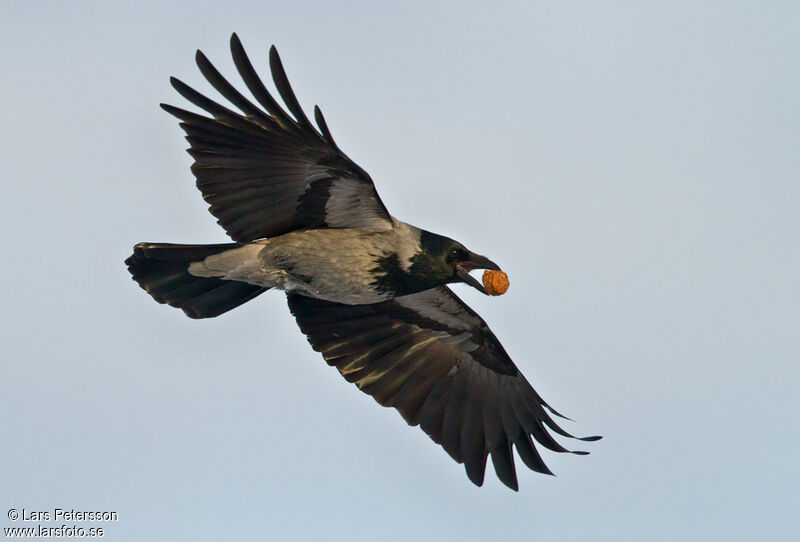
(634, 167)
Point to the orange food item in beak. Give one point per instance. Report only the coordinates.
(495, 282)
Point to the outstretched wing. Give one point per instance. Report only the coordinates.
(435, 360)
(266, 172)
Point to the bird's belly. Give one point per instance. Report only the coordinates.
(336, 293)
(334, 265)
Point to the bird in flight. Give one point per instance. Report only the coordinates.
(369, 292)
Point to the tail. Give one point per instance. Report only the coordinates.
(162, 269)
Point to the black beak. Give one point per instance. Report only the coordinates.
(475, 261)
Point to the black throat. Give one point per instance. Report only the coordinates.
(391, 278)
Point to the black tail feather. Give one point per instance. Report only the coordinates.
(162, 269)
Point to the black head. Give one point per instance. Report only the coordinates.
(449, 261)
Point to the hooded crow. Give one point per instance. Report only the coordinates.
(369, 291)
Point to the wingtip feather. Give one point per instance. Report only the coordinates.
(323, 126)
(201, 59)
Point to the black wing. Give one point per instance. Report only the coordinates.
(435, 360)
(265, 172)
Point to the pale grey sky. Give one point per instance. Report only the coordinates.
(633, 166)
